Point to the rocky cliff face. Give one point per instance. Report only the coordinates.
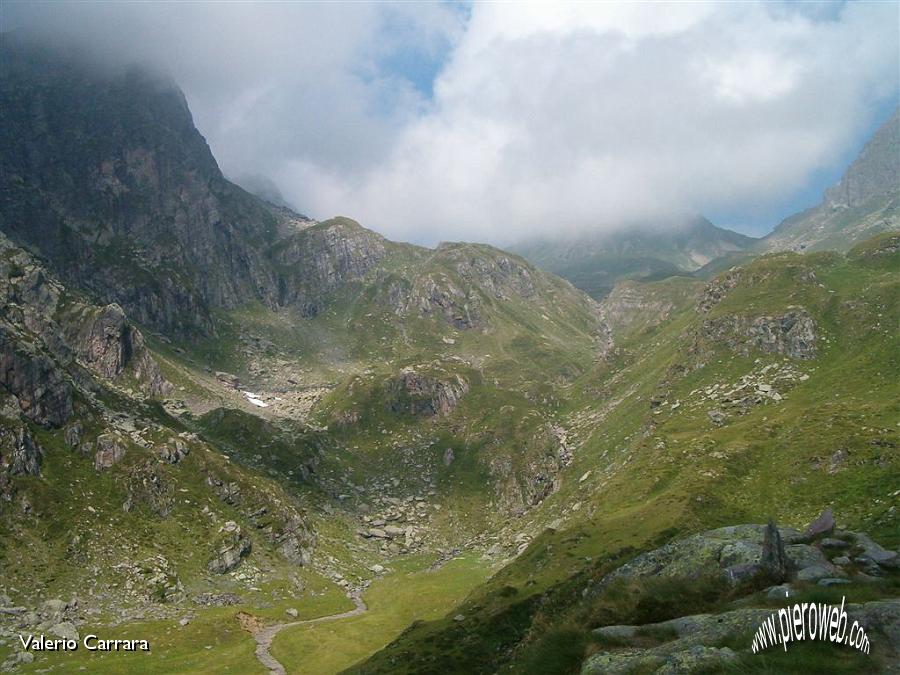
(45, 331)
(318, 260)
(457, 280)
(20, 455)
(43, 393)
(108, 344)
(874, 173)
(104, 173)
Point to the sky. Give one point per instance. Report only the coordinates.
(503, 121)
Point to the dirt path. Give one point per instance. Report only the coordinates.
(265, 635)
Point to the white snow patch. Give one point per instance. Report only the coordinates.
(255, 400)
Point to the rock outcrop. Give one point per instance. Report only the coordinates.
(792, 334)
(107, 344)
(687, 642)
(43, 392)
(716, 290)
(230, 550)
(415, 393)
(320, 259)
(20, 455)
(295, 541)
(756, 553)
(737, 553)
(110, 449)
(47, 333)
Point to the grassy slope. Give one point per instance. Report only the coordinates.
(657, 475)
(408, 595)
(647, 470)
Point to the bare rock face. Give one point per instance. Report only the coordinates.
(438, 295)
(43, 393)
(499, 275)
(875, 172)
(824, 524)
(417, 394)
(107, 344)
(20, 455)
(462, 278)
(296, 541)
(110, 451)
(116, 170)
(791, 334)
(45, 329)
(283, 525)
(318, 260)
(232, 548)
(523, 485)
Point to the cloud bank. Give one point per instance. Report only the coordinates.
(495, 122)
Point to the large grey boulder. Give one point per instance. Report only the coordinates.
(824, 524)
(875, 553)
(736, 553)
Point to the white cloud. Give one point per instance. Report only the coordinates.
(545, 116)
(593, 115)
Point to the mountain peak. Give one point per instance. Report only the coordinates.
(875, 172)
(595, 261)
(864, 202)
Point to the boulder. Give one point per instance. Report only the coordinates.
(394, 531)
(616, 632)
(698, 658)
(773, 560)
(780, 592)
(296, 541)
(738, 552)
(824, 524)
(717, 417)
(174, 452)
(804, 555)
(227, 378)
(814, 573)
(875, 553)
(65, 630)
